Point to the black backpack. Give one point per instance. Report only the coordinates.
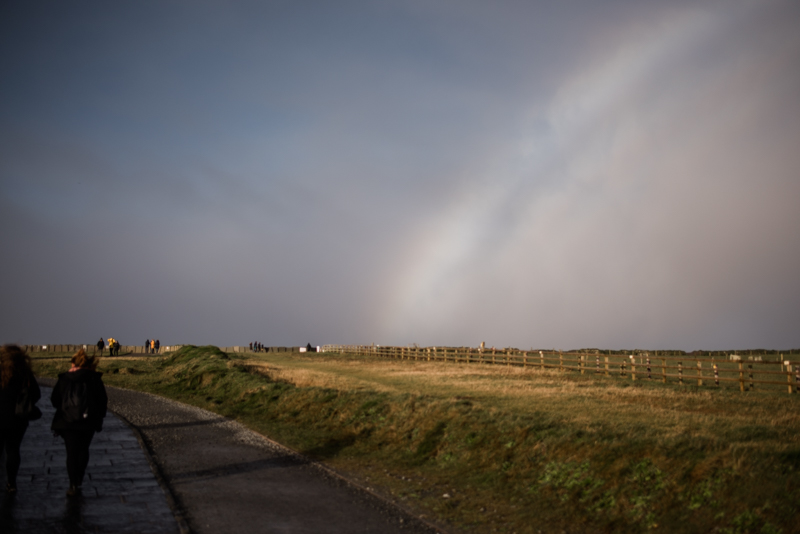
(26, 407)
(75, 401)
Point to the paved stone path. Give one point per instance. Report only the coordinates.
(120, 492)
(226, 478)
(217, 476)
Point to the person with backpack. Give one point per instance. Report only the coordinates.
(80, 400)
(19, 393)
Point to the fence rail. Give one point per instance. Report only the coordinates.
(702, 371)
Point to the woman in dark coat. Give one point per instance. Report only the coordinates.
(15, 376)
(80, 400)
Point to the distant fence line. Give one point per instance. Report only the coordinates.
(638, 366)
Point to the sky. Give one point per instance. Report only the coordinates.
(617, 174)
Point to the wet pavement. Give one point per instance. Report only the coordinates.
(120, 492)
(179, 469)
(227, 478)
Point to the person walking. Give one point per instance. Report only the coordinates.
(100, 346)
(157, 345)
(80, 400)
(147, 346)
(19, 393)
(111, 346)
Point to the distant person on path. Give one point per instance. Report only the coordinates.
(158, 345)
(147, 346)
(16, 383)
(111, 346)
(152, 346)
(100, 346)
(251, 347)
(80, 400)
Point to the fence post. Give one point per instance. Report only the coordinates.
(508, 358)
(597, 361)
(716, 374)
(741, 377)
(525, 359)
(606, 358)
(633, 368)
(797, 377)
(699, 373)
(560, 361)
(493, 356)
(648, 367)
(582, 371)
(664, 370)
(750, 372)
(788, 374)
(680, 373)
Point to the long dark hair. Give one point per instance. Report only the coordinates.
(84, 361)
(14, 363)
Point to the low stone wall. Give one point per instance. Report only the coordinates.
(140, 349)
(238, 349)
(93, 351)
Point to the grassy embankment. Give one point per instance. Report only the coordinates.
(490, 448)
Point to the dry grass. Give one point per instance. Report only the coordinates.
(580, 399)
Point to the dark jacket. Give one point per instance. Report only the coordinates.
(8, 399)
(97, 401)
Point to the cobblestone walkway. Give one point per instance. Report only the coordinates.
(120, 493)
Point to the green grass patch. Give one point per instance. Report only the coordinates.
(486, 448)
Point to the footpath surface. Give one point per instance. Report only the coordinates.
(120, 492)
(226, 478)
(178, 469)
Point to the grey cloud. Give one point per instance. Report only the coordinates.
(523, 174)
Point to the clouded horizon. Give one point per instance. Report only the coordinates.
(530, 174)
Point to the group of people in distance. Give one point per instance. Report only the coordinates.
(79, 398)
(151, 346)
(257, 347)
(113, 346)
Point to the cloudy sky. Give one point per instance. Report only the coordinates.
(619, 174)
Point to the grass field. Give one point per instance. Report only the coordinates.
(502, 449)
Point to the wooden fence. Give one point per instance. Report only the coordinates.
(715, 371)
